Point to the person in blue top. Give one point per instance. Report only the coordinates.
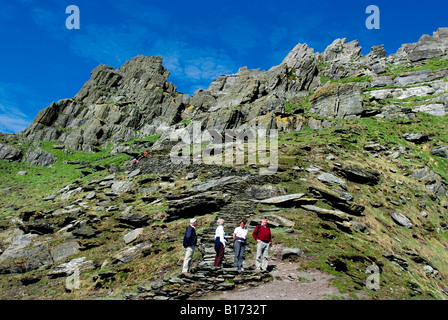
(190, 242)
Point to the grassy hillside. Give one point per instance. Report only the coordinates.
(401, 254)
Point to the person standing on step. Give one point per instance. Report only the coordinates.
(239, 244)
(220, 243)
(190, 242)
(262, 234)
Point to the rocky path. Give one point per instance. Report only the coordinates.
(288, 284)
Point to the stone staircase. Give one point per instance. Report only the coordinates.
(204, 277)
(232, 214)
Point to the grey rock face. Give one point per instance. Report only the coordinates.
(24, 255)
(38, 157)
(340, 101)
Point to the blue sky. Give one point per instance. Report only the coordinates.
(42, 61)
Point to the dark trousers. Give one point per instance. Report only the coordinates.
(219, 256)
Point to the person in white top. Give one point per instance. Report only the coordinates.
(239, 244)
(220, 243)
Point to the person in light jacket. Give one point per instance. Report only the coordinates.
(239, 244)
(220, 243)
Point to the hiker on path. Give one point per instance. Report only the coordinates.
(220, 243)
(190, 241)
(239, 244)
(262, 234)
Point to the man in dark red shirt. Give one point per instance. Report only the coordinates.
(262, 234)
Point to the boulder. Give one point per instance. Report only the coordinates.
(273, 221)
(132, 253)
(10, 153)
(40, 226)
(291, 253)
(327, 214)
(440, 151)
(397, 259)
(331, 179)
(417, 138)
(359, 175)
(339, 199)
(283, 201)
(264, 192)
(435, 109)
(134, 219)
(85, 232)
(64, 250)
(70, 193)
(202, 203)
(123, 187)
(401, 220)
(133, 235)
(432, 180)
(425, 174)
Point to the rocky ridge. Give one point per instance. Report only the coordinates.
(137, 100)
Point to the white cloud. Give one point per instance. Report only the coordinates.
(14, 117)
(12, 120)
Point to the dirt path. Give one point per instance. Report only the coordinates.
(288, 284)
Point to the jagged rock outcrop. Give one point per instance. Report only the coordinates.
(113, 104)
(427, 47)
